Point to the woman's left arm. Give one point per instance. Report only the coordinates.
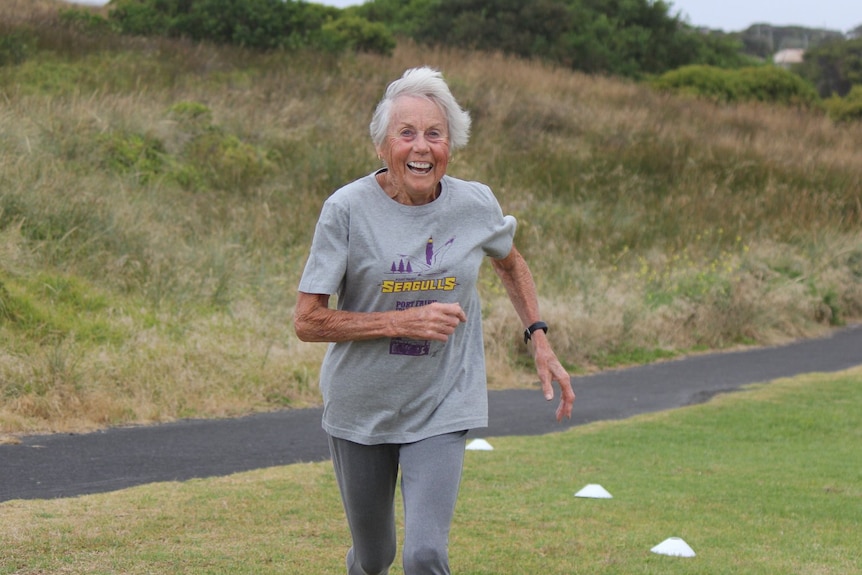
(518, 281)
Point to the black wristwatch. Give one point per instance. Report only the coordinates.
(528, 333)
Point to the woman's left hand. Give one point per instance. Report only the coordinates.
(550, 370)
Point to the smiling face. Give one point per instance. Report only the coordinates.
(416, 151)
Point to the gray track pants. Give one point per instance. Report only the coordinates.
(430, 479)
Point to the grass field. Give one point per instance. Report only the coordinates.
(767, 480)
(157, 199)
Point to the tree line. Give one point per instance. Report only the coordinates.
(638, 39)
(257, 24)
(630, 38)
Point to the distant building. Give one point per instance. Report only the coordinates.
(787, 58)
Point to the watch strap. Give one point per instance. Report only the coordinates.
(528, 333)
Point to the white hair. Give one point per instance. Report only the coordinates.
(423, 83)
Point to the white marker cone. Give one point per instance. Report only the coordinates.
(479, 445)
(594, 491)
(675, 547)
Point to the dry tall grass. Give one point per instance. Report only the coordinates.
(157, 200)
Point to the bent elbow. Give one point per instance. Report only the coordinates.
(306, 316)
(303, 330)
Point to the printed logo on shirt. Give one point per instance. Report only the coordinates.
(419, 271)
(402, 305)
(402, 346)
(429, 263)
(442, 284)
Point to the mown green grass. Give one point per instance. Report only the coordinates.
(767, 480)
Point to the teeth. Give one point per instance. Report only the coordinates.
(419, 165)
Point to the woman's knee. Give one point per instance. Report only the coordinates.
(375, 564)
(426, 560)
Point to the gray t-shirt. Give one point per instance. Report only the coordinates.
(377, 254)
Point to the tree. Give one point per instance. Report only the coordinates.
(249, 23)
(401, 17)
(360, 35)
(622, 37)
(834, 67)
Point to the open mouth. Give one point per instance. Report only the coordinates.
(420, 168)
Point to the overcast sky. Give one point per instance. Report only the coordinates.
(736, 15)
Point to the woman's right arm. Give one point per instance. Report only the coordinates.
(314, 320)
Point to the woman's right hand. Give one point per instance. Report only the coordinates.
(435, 321)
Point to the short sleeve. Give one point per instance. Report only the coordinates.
(502, 238)
(500, 234)
(327, 261)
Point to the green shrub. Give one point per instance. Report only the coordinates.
(192, 118)
(139, 18)
(847, 109)
(15, 47)
(250, 23)
(210, 157)
(753, 83)
(257, 24)
(704, 81)
(140, 155)
(224, 161)
(84, 21)
(360, 35)
(773, 84)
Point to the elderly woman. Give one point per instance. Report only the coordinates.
(403, 380)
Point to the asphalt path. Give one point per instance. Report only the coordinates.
(68, 465)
